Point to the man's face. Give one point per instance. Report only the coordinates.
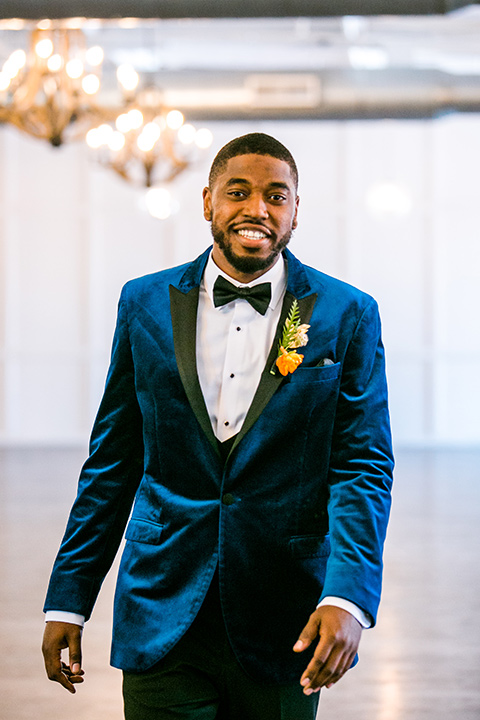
(253, 209)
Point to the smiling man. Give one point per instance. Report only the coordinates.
(259, 476)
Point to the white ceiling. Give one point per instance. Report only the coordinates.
(295, 67)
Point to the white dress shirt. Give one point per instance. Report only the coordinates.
(233, 343)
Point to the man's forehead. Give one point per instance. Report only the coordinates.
(251, 166)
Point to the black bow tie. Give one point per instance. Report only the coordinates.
(258, 296)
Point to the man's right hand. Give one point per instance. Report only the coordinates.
(57, 637)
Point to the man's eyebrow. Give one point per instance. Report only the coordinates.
(281, 185)
(237, 181)
(244, 181)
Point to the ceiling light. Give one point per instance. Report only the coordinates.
(368, 58)
(94, 56)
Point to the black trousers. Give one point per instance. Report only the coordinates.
(201, 679)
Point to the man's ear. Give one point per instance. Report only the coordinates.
(295, 221)
(207, 204)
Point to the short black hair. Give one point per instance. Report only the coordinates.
(252, 144)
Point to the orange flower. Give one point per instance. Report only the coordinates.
(288, 362)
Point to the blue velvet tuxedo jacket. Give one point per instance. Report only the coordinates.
(297, 512)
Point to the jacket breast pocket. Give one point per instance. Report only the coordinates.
(316, 374)
(144, 531)
(310, 546)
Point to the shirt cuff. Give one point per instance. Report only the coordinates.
(62, 616)
(350, 607)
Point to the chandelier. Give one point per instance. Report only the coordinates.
(49, 90)
(148, 143)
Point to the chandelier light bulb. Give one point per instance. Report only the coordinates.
(55, 62)
(151, 130)
(91, 84)
(50, 86)
(145, 142)
(4, 81)
(74, 23)
(44, 48)
(93, 139)
(18, 59)
(105, 132)
(116, 141)
(74, 68)
(203, 138)
(174, 119)
(136, 118)
(10, 69)
(122, 123)
(186, 134)
(127, 77)
(94, 56)
(160, 121)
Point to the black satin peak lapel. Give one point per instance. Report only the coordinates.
(183, 307)
(269, 383)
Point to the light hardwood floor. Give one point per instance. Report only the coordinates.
(421, 662)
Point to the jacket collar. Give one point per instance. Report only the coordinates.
(297, 280)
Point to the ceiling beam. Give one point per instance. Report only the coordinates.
(36, 9)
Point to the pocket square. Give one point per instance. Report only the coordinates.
(325, 361)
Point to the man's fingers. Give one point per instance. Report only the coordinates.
(338, 635)
(56, 674)
(58, 636)
(326, 670)
(75, 650)
(308, 634)
(72, 676)
(320, 668)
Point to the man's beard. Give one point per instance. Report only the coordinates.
(249, 264)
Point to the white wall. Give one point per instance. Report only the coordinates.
(71, 234)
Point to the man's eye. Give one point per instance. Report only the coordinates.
(277, 198)
(236, 193)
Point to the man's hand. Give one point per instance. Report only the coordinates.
(57, 637)
(340, 635)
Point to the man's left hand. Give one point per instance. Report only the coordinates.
(339, 634)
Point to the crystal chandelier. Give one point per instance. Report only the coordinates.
(148, 143)
(49, 91)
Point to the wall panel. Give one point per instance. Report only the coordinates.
(71, 233)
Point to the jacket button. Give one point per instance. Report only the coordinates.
(228, 499)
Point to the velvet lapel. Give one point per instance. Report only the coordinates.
(298, 288)
(183, 307)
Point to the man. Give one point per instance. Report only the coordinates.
(259, 475)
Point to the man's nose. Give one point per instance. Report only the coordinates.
(255, 206)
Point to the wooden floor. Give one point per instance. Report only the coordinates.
(421, 662)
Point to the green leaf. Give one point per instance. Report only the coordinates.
(291, 325)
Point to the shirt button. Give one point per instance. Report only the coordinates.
(232, 375)
(228, 499)
(226, 423)
(238, 329)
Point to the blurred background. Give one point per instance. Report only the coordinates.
(108, 125)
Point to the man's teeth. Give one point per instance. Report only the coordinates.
(252, 234)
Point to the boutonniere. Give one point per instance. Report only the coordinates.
(294, 336)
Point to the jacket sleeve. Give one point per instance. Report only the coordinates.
(361, 468)
(107, 486)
